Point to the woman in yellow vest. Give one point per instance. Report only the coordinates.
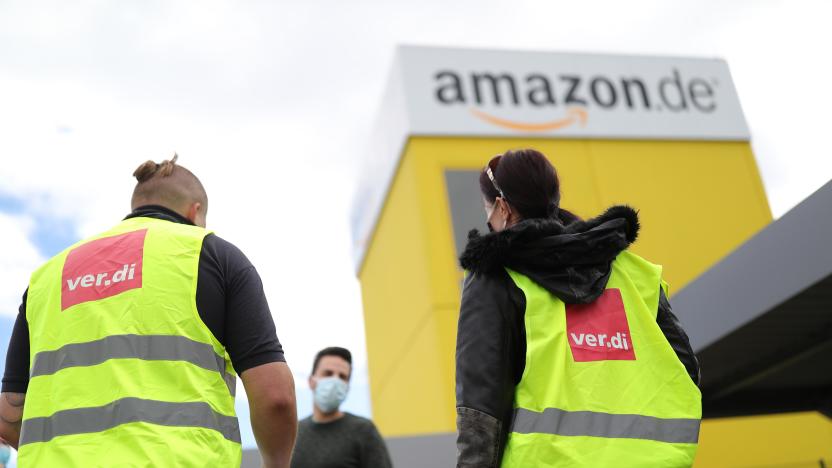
(568, 354)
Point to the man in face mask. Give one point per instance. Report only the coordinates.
(331, 438)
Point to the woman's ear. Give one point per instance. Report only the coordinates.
(505, 208)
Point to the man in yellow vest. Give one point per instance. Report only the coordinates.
(568, 354)
(128, 345)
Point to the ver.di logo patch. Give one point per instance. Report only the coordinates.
(599, 331)
(103, 268)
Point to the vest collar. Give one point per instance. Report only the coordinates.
(158, 212)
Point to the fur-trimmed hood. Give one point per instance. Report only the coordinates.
(571, 261)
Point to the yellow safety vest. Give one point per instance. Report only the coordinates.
(602, 386)
(123, 370)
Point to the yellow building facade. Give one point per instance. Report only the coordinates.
(694, 181)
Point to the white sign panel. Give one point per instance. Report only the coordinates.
(485, 92)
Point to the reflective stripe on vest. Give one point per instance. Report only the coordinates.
(146, 347)
(128, 410)
(590, 423)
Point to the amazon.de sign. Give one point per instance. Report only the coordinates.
(486, 92)
(475, 95)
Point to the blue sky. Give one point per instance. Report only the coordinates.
(6, 325)
(49, 234)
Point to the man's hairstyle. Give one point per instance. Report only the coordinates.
(342, 353)
(167, 184)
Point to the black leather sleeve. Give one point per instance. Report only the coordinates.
(676, 336)
(490, 354)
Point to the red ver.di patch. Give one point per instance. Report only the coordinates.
(599, 331)
(103, 268)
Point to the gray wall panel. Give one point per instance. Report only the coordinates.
(777, 263)
(431, 451)
(467, 210)
(251, 459)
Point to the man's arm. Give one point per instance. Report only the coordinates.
(271, 399)
(15, 378)
(232, 303)
(11, 413)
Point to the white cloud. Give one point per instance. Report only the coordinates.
(19, 258)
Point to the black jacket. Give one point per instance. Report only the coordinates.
(573, 261)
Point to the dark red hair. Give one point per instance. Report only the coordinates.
(529, 183)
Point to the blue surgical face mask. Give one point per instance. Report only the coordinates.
(330, 392)
(5, 453)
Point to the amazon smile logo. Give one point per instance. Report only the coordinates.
(498, 98)
(574, 115)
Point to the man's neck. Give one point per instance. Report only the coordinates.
(322, 418)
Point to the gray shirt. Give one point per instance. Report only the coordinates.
(349, 442)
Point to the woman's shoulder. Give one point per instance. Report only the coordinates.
(628, 258)
(486, 280)
(492, 291)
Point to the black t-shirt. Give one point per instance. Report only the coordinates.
(229, 297)
(348, 442)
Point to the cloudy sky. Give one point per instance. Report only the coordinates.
(271, 104)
